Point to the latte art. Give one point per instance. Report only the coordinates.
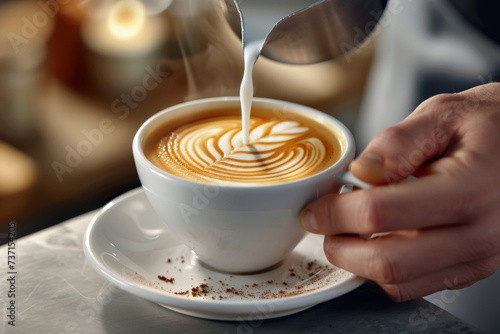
(212, 150)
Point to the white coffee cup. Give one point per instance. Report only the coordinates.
(237, 229)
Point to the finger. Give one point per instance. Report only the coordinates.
(397, 152)
(445, 198)
(452, 278)
(406, 255)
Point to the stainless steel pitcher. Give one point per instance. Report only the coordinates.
(323, 31)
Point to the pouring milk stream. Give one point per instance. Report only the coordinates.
(259, 17)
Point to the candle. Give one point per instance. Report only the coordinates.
(121, 42)
(124, 30)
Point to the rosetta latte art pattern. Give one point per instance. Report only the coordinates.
(212, 149)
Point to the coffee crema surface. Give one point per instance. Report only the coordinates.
(208, 147)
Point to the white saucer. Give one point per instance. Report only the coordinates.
(127, 243)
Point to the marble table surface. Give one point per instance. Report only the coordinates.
(55, 290)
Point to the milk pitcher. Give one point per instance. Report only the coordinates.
(311, 31)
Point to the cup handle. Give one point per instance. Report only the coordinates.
(347, 178)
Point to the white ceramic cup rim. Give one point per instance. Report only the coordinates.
(348, 149)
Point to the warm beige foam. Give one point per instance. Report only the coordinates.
(282, 147)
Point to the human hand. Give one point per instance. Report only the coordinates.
(445, 225)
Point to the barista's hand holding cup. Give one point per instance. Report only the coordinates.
(237, 206)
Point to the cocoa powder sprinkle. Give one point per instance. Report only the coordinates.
(200, 290)
(311, 273)
(168, 280)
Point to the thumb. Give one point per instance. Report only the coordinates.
(401, 150)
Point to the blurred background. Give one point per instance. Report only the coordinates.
(78, 77)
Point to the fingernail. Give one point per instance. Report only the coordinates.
(309, 222)
(372, 158)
